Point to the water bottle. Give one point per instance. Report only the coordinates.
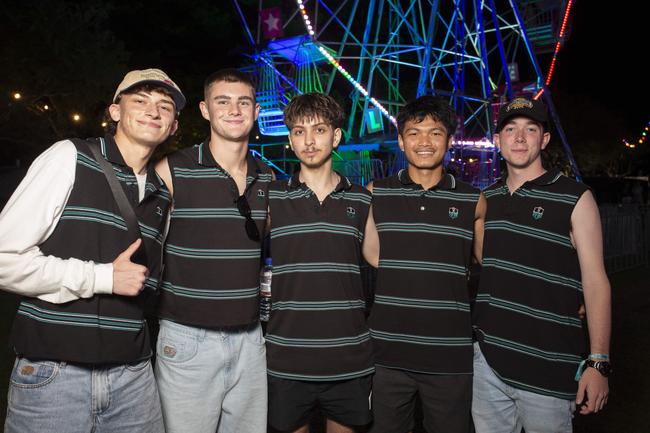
(265, 290)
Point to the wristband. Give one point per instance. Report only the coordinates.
(581, 369)
(599, 356)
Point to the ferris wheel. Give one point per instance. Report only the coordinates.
(375, 55)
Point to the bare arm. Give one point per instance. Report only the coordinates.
(586, 234)
(370, 247)
(479, 228)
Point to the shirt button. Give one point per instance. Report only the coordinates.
(422, 208)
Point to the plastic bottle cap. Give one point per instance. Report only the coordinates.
(268, 261)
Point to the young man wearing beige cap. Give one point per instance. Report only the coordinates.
(82, 345)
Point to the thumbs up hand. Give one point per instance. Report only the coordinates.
(128, 277)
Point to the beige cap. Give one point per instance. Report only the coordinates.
(151, 76)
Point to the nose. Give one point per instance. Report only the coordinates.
(519, 135)
(234, 109)
(152, 110)
(309, 138)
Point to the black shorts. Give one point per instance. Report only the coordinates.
(446, 401)
(292, 402)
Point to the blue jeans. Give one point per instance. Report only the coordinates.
(55, 397)
(211, 380)
(499, 408)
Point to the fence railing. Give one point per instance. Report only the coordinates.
(626, 236)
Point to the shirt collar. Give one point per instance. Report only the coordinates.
(548, 178)
(295, 183)
(110, 151)
(447, 181)
(206, 159)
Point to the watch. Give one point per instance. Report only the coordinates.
(603, 367)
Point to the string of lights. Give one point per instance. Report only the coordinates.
(43, 107)
(558, 44)
(641, 139)
(340, 67)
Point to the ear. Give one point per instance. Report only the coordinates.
(290, 143)
(203, 107)
(545, 139)
(400, 141)
(257, 110)
(337, 138)
(174, 128)
(115, 112)
(497, 141)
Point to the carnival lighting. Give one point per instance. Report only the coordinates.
(558, 45)
(641, 139)
(340, 68)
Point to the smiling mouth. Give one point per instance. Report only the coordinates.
(150, 125)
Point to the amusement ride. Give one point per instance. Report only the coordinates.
(375, 55)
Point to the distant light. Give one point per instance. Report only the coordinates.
(76, 117)
(257, 137)
(286, 146)
(46, 107)
(17, 96)
(104, 124)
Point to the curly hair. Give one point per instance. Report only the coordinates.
(311, 106)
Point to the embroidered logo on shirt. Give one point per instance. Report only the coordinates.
(453, 213)
(351, 212)
(260, 194)
(538, 212)
(159, 211)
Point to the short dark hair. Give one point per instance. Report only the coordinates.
(312, 105)
(111, 125)
(229, 75)
(435, 107)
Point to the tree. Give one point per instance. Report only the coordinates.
(63, 60)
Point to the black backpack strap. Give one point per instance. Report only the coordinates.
(118, 193)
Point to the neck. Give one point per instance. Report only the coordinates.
(321, 180)
(230, 155)
(427, 177)
(518, 176)
(135, 155)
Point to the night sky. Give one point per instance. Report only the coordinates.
(599, 87)
(605, 61)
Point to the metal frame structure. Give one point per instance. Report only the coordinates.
(382, 53)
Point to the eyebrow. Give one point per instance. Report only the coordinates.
(314, 126)
(240, 98)
(167, 99)
(415, 128)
